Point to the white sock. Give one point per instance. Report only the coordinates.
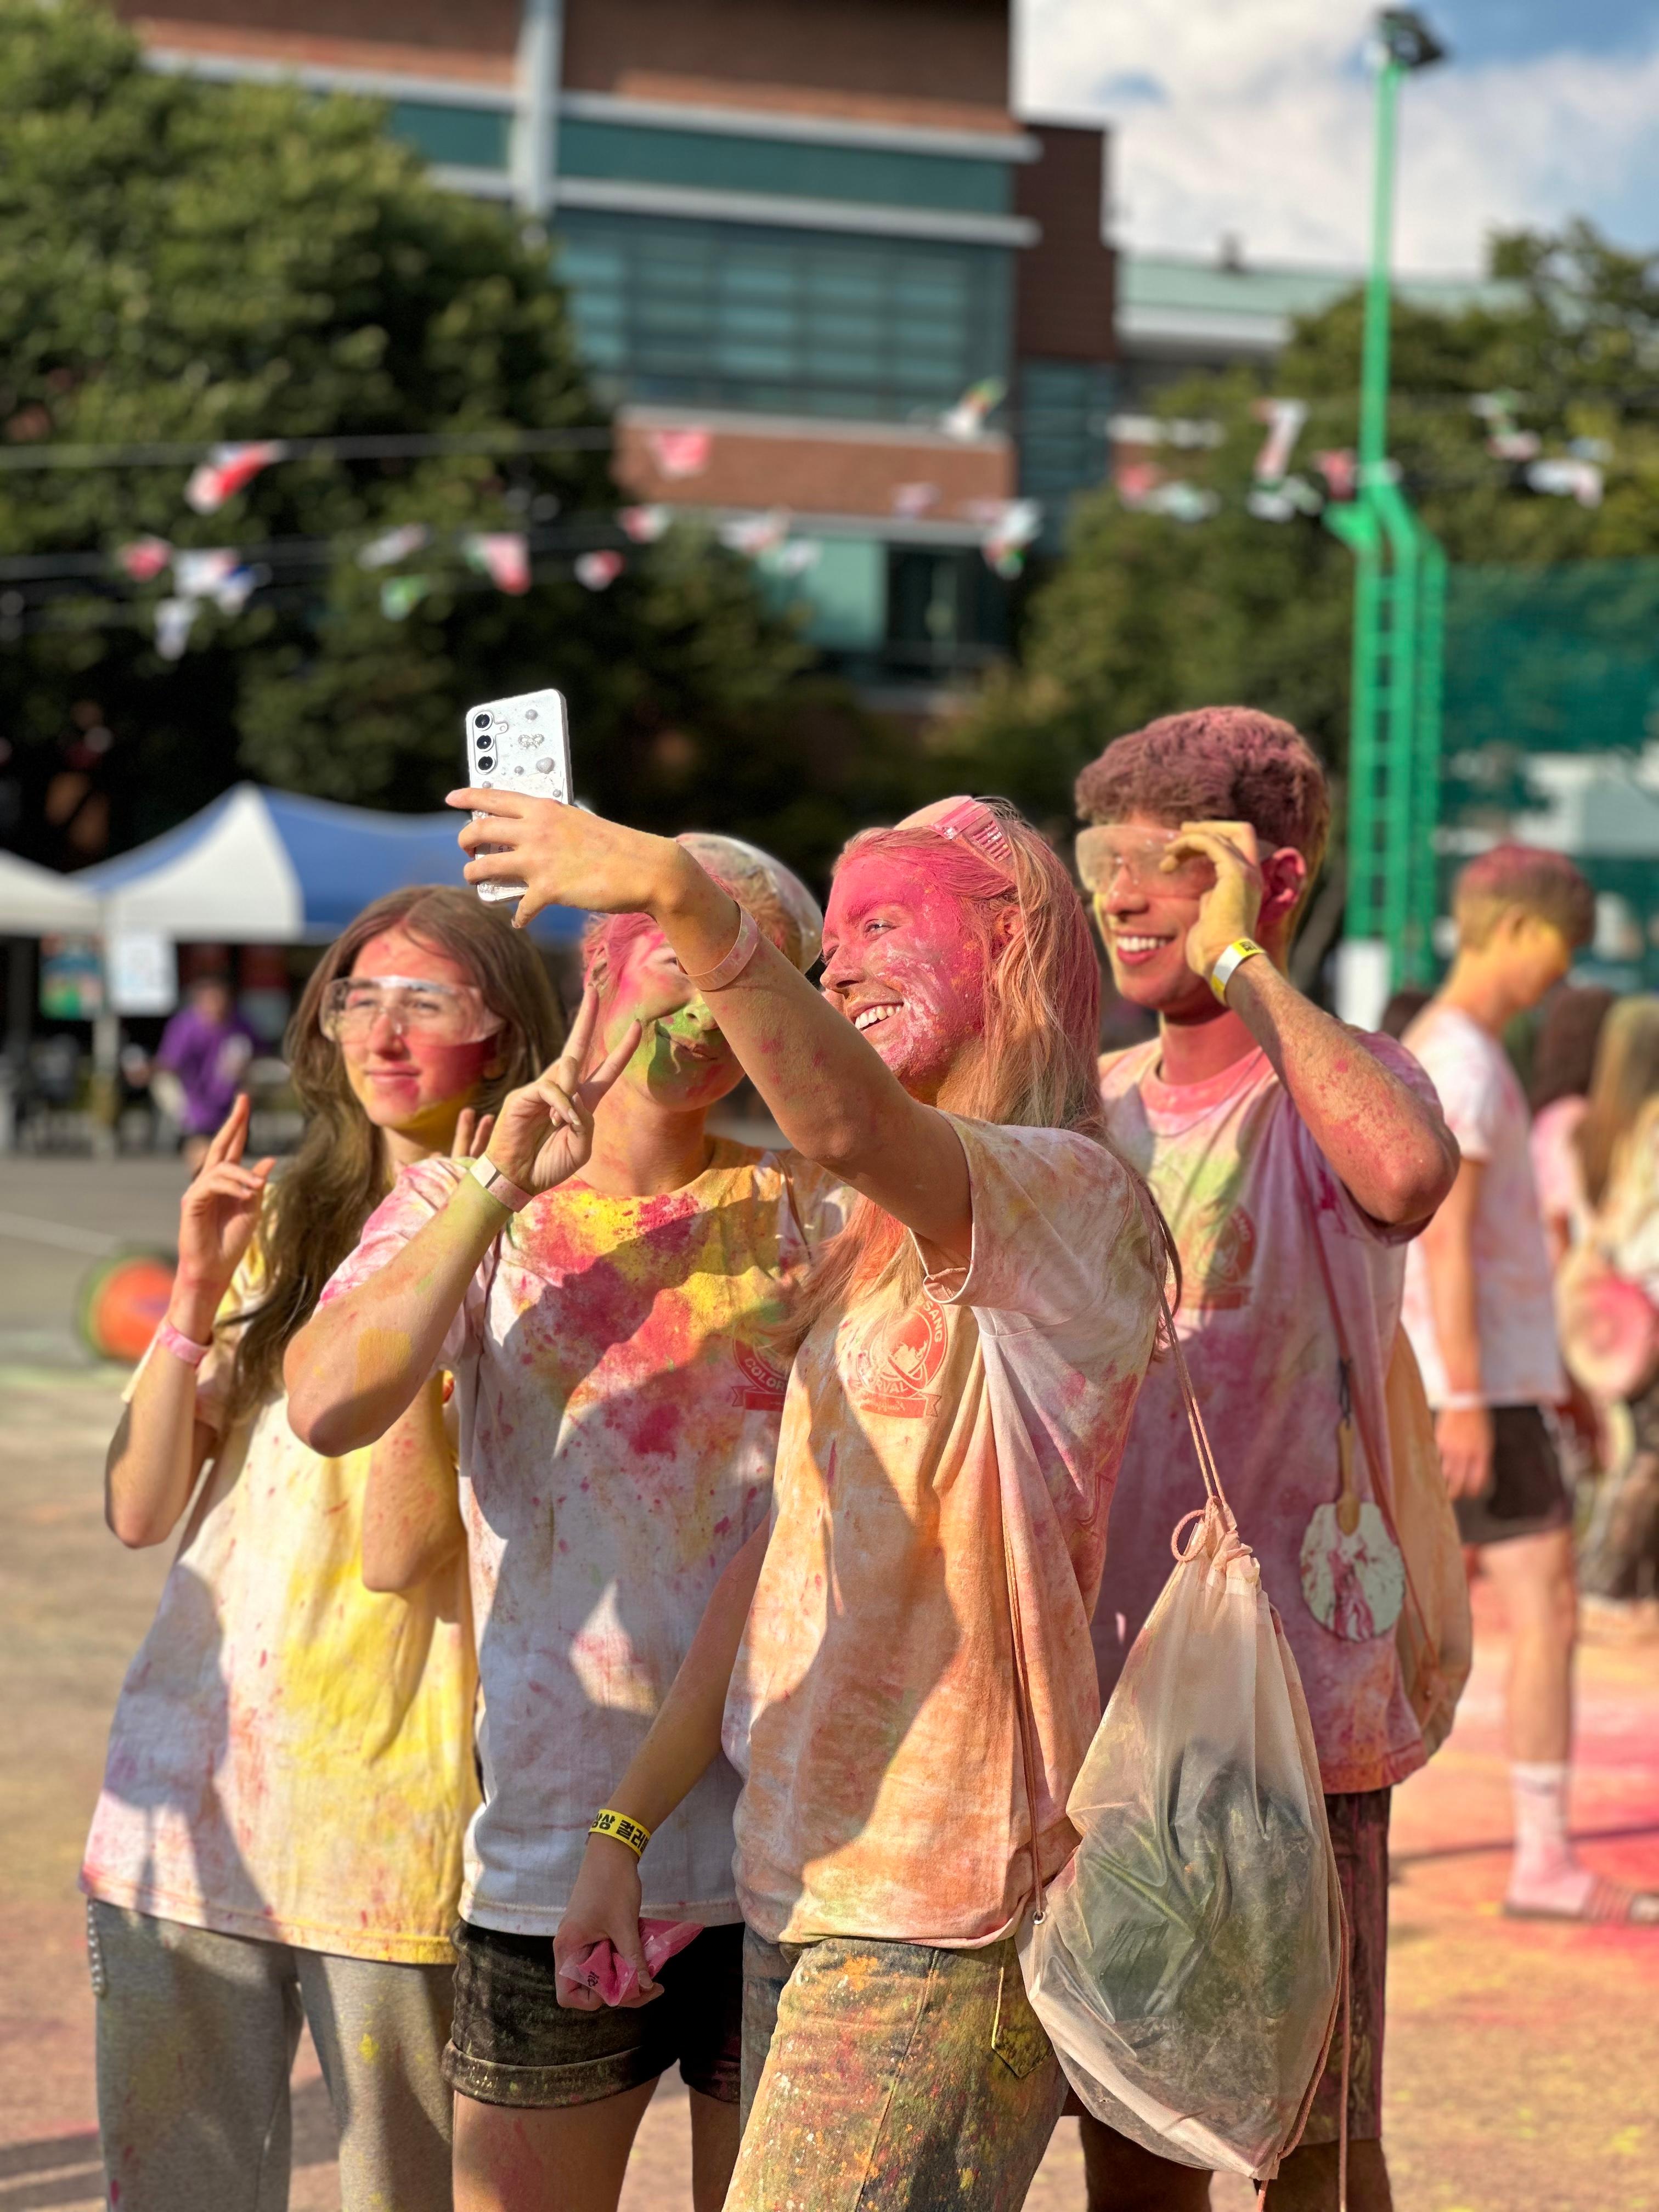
(1545, 1872)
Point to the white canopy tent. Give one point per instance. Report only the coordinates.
(38, 903)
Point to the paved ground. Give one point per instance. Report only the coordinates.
(1524, 2060)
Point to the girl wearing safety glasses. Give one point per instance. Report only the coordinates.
(290, 1766)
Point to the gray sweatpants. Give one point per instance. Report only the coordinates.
(197, 2033)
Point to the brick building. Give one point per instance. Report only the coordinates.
(804, 227)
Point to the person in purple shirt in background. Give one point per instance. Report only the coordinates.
(207, 1045)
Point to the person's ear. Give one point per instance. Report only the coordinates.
(1284, 878)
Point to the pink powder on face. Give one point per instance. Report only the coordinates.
(897, 937)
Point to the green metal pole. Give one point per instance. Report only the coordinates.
(1374, 359)
(1426, 778)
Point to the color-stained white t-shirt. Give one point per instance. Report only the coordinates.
(1485, 1109)
(291, 1756)
(620, 1383)
(872, 1707)
(1234, 1166)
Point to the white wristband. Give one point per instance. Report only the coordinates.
(501, 1188)
(1462, 1401)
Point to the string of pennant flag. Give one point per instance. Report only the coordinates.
(225, 578)
(1277, 494)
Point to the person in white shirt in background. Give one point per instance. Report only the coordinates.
(1480, 1314)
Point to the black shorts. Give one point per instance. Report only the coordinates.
(1528, 1493)
(513, 2043)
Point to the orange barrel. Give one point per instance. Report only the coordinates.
(123, 1300)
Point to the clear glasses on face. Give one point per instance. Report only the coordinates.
(354, 1006)
(1112, 850)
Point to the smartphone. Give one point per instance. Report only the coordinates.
(518, 744)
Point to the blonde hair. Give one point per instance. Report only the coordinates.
(1623, 1091)
(1036, 1067)
(1523, 879)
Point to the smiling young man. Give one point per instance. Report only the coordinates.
(1270, 1134)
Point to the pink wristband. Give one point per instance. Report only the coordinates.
(168, 1339)
(503, 1188)
(744, 948)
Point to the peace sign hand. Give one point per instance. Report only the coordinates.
(523, 1146)
(220, 1211)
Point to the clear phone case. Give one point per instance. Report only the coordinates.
(518, 744)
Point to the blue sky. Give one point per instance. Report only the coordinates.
(1251, 116)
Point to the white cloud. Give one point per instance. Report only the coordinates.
(1250, 116)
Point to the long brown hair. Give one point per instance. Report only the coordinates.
(315, 1213)
(1626, 1081)
(1036, 1068)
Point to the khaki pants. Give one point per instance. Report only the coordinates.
(197, 2033)
(890, 2077)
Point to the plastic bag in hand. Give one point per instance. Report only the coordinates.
(1188, 1963)
(616, 1980)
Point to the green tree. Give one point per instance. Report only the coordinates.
(1145, 615)
(189, 262)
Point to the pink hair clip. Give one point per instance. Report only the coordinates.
(972, 821)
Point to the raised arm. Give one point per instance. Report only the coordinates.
(829, 1091)
(160, 1447)
(355, 1366)
(1390, 1147)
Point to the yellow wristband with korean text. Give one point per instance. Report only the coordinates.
(1241, 950)
(621, 1830)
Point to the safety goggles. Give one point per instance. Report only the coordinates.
(1112, 850)
(354, 1007)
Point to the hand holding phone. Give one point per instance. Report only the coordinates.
(521, 745)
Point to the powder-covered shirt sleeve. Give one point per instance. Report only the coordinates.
(1331, 1194)
(1465, 1080)
(1055, 1227)
(420, 1191)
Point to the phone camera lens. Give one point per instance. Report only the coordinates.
(481, 721)
(486, 760)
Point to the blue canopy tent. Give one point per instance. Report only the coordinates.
(267, 867)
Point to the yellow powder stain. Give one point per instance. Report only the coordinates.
(368, 2051)
(1627, 2142)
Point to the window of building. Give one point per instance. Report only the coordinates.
(457, 137)
(1063, 447)
(842, 599)
(783, 322)
(643, 154)
(946, 612)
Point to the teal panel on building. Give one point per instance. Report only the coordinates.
(710, 161)
(1063, 407)
(844, 594)
(784, 321)
(459, 137)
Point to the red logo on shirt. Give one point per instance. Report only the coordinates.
(890, 1373)
(765, 1381)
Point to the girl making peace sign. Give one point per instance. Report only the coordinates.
(607, 1284)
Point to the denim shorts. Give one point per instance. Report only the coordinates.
(513, 2043)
